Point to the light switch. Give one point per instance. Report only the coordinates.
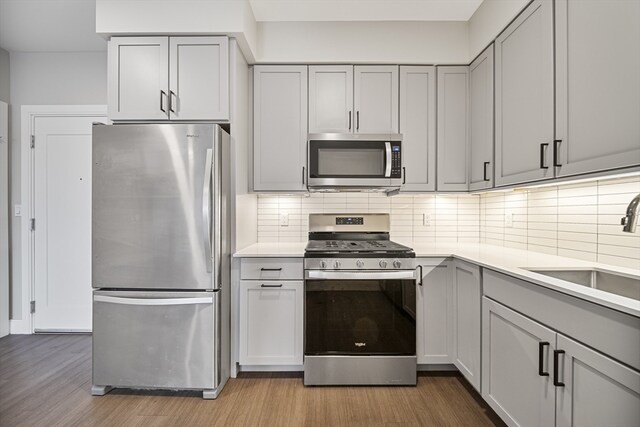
(284, 220)
(17, 210)
(426, 219)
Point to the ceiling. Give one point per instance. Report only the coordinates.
(69, 25)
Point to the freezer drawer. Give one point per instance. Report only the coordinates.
(156, 339)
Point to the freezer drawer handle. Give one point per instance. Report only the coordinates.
(153, 301)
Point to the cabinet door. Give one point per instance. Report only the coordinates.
(453, 128)
(597, 106)
(467, 303)
(138, 78)
(418, 127)
(481, 121)
(375, 98)
(279, 127)
(511, 366)
(597, 391)
(331, 99)
(271, 322)
(199, 78)
(434, 317)
(524, 97)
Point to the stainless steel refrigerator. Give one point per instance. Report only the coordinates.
(161, 257)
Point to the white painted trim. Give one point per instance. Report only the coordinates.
(28, 114)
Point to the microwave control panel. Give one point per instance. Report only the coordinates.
(396, 160)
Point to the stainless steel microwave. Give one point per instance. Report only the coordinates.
(354, 162)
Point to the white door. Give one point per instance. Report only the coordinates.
(62, 212)
(524, 97)
(199, 78)
(597, 106)
(453, 128)
(597, 390)
(481, 121)
(375, 98)
(4, 219)
(331, 99)
(517, 366)
(418, 127)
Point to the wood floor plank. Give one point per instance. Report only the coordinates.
(45, 380)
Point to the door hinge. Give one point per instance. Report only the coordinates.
(33, 141)
(33, 307)
(32, 224)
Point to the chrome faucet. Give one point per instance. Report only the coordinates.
(631, 219)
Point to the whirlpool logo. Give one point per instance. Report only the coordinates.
(360, 344)
(190, 135)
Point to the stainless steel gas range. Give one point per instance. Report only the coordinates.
(360, 303)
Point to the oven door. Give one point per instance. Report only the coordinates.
(348, 162)
(360, 313)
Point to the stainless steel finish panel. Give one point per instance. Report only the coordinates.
(380, 223)
(619, 284)
(359, 265)
(154, 341)
(360, 370)
(151, 217)
(360, 275)
(355, 137)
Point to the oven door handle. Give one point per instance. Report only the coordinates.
(387, 148)
(360, 275)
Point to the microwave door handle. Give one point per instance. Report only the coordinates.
(387, 172)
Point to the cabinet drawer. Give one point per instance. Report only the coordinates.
(271, 269)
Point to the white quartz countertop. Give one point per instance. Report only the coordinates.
(513, 262)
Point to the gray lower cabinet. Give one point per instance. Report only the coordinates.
(467, 300)
(453, 128)
(481, 121)
(524, 97)
(597, 105)
(434, 312)
(418, 127)
(279, 127)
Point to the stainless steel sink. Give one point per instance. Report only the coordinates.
(623, 285)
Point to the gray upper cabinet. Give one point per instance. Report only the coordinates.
(375, 98)
(453, 128)
(331, 98)
(280, 127)
(598, 85)
(418, 127)
(481, 121)
(168, 78)
(348, 99)
(524, 97)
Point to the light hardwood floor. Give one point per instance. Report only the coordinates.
(45, 380)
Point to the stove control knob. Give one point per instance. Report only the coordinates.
(323, 264)
(336, 264)
(397, 264)
(359, 263)
(383, 263)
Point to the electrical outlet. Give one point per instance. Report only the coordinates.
(284, 220)
(17, 210)
(426, 219)
(508, 219)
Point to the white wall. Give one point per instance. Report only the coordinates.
(489, 20)
(245, 209)
(4, 76)
(363, 42)
(52, 78)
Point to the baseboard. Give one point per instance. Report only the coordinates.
(20, 327)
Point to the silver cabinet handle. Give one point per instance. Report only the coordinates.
(360, 275)
(387, 149)
(163, 95)
(206, 209)
(152, 301)
(171, 97)
(543, 147)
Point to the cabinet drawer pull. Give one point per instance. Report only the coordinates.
(271, 269)
(420, 278)
(163, 95)
(349, 120)
(484, 173)
(543, 147)
(556, 356)
(357, 120)
(171, 97)
(271, 286)
(303, 170)
(556, 148)
(404, 175)
(541, 346)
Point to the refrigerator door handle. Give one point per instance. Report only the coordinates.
(153, 301)
(206, 209)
